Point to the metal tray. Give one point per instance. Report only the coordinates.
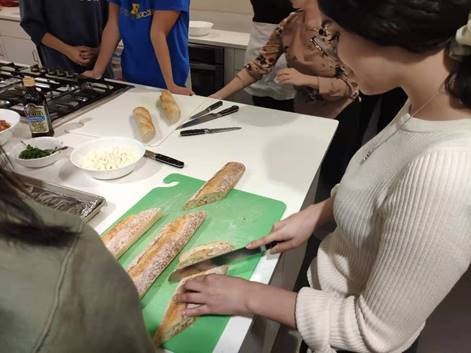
(75, 202)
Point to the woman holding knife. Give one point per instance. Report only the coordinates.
(402, 209)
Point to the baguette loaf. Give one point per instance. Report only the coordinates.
(119, 238)
(173, 322)
(203, 252)
(218, 186)
(144, 123)
(162, 250)
(169, 107)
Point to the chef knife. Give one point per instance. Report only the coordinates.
(209, 117)
(195, 132)
(207, 110)
(218, 260)
(164, 159)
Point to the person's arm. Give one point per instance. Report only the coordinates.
(109, 41)
(162, 23)
(259, 67)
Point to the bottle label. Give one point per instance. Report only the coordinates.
(37, 117)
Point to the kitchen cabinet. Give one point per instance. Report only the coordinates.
(15, 44)
(234, 61)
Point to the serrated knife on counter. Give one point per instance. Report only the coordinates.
(209, 117)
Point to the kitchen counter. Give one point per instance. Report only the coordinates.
(282, 152)
(227, 39)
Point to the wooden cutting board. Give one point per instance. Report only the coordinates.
(240, 218)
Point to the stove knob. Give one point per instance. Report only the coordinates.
(51, 71)
(43, 70)
(60, 73)
(69, 74)
(34, 68)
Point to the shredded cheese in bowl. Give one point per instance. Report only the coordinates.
(110, 159)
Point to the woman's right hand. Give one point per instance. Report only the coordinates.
(291, 232)
(78, 55)
(95, 74)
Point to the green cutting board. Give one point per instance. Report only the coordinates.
(238, 219)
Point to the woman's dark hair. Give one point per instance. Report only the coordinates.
(419, 26)
(18, 221)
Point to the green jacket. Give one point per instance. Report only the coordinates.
(75, 299)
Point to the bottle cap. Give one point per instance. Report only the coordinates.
(29, 81)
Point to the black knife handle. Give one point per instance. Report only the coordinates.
(194, 132)
(169, 161)
(231, 110)
(214, 106)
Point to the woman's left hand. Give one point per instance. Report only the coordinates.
(290, 76)
(216, 294)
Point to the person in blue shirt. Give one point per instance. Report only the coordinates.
(155, 38)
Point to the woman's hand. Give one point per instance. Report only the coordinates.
(294, 230)
(216, 294)
(290, 76)
(181, 90)
(89, 53)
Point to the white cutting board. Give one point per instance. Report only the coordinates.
(114, 118)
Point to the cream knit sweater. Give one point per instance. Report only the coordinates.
(403, 239)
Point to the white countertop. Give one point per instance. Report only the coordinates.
(282, 152)
(10, 13)
(228, 39)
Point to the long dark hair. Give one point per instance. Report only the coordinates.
(18, 221)
(420, 26)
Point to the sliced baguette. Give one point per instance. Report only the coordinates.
(145, 269)
(218, 186)
(173, 322)
(203, 252)
(121, 236)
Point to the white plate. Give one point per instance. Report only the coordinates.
(44, 143)
(107, 143)
(12, 118)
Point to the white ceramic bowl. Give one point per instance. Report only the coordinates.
(79, 154)
(200, 28)
(12, 118)
(44, 143)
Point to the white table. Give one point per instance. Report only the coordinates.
(282, 152)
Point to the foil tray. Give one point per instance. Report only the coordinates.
(60, 198)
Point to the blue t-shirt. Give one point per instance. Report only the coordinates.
(139, 62)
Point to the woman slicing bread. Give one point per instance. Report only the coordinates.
(323, 87)
(62, 291)
(402, 209)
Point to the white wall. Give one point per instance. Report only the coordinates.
(231, 15)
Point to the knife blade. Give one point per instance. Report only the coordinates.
(207, 110)
(209, 117)
(218, 260)
(195, 132)
(164, 159)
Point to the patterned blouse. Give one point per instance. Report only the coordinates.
(294, 37)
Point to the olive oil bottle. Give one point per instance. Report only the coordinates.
(36, 111)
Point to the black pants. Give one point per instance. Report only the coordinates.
(412, 349)
(270, 103)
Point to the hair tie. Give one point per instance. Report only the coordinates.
(460, 47)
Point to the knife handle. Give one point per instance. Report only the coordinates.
(169, 161)
(230, 110)
(214, 106)
(194, 132)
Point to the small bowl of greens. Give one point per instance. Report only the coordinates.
(38, 152)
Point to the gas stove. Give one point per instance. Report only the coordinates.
(67, 93)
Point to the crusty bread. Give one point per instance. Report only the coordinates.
(162, 250)
(122, 235)
(173, 322)
(203, 252)
(169, 106)
(218, 186)
(144, 123)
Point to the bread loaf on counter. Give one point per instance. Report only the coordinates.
(173, 322)
(144, 124)
(169, 106)
(218, 186)
(145, 269)
(122, 235)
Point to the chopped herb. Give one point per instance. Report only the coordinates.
(33, 153)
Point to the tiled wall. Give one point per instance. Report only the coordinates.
(231, 15)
